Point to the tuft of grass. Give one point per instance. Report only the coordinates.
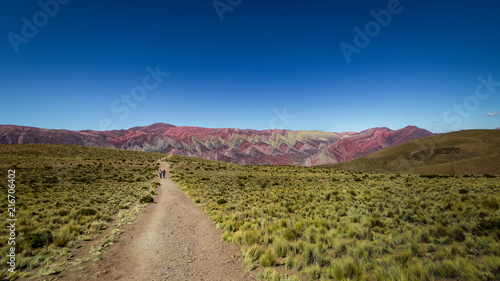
(281, 247)
(313, 272)
(50, 270)
(267, 259)
(271, 275)
(254, 252)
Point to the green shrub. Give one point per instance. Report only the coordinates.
(39, 239)
(491, 203)
(146, 199)
(485, 225)
(86, 212)
(458, 234)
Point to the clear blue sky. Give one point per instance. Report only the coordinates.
(240, 63)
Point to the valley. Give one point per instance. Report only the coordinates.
(81, 210)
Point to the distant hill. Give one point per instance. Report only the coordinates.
(356, 145)
(462, 152)
(279, 147)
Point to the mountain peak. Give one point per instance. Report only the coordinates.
(156, 127)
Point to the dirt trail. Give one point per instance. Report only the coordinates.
(170, 240)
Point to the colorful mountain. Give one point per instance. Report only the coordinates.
(279, 147)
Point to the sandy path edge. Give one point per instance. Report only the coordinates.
(170, 240)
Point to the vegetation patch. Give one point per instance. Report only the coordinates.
(315, 223)
(67, 195)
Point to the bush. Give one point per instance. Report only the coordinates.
(146, 199)
(39, 239)
(491, 203)
(485, 225)
(87, 212)
(458, 234)
(221, 201)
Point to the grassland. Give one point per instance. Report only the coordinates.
(310, 223)
(292, 223)
(67, 195)
(462, 152)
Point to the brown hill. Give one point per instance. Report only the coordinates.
(462, 152)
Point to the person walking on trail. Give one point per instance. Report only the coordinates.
(160, 172)
(164, 172)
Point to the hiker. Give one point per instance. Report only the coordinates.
(159, 173)
(164, 172)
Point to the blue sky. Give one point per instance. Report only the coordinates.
(78, 65)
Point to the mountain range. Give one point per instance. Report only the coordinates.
(240, 146)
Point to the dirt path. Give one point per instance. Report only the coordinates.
(171, 240)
